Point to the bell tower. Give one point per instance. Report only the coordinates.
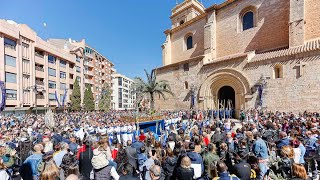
(186, 11)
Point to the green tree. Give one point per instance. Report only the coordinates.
(152, 87)
(105, 98)
(88, 100)
(76, 97)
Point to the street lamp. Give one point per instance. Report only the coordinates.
(35, 89)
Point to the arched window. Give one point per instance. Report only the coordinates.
(181, 22)
(186, 85)
(278, 71)
(247, 20)
(189, 42)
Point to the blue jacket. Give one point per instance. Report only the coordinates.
(303, 152)
(33, 162)
(227, 176)
(283, 142)
(196, 164)
(260, 149)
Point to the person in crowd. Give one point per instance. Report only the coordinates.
(210, 158)
(132, 155)
(284, 140)
(223, 173)
(299, 172)
(261, 135)
(59, 156)
(121, 158)
(48, 168)
(242, 169)
(260, 150)
(184, 171)
(3, 171)
(29, 168)
(169, 163)
(145, 168)
(155, 172)
(85, 166)
(101, 165)
(196, 161)
(137, 144)
(127, 173)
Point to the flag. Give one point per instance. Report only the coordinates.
(55, 93)
(2, 96)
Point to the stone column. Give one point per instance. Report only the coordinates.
(210, 38)
(296, 24)
(166, 50)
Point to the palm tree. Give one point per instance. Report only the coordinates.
(152, 87)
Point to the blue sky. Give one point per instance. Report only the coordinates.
(128, 32)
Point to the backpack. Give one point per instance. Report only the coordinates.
(99, 161)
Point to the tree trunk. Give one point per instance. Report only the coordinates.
(151, 102)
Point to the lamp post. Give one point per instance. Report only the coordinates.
(35, 89)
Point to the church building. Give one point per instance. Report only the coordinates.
(243, 54)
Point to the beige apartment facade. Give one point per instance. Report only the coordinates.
(42, 73)
(252, 53)
(122, 97)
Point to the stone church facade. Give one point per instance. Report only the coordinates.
(250, 53)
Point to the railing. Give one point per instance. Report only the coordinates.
(40, 96)
(39, 55)
(39, 68)
(10, 46)
(40, 83)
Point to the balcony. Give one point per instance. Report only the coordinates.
(40, 96)
(39, 59)
(41, 83)
(88, 55)
(38, 68)
(88, 81)
(87, 72)
(88, 63)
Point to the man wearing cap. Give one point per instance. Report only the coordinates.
(242, 168)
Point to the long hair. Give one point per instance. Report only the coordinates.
(299, 171)
(287, 151)
(50, 171)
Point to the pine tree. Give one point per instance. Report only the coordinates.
(105, 98)
(88, 100)
(76, 97)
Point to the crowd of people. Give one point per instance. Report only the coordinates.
(191, 146)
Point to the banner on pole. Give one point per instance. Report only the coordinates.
(2, 96)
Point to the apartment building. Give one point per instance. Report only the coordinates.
(41, 73)
(122, 96)
(97, 69)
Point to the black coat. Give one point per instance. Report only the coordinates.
(184, 174)
(169, 164)
(129, 177)
(242, 170)
(85, 165)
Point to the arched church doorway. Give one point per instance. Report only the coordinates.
(227, 96)
(224, 85)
